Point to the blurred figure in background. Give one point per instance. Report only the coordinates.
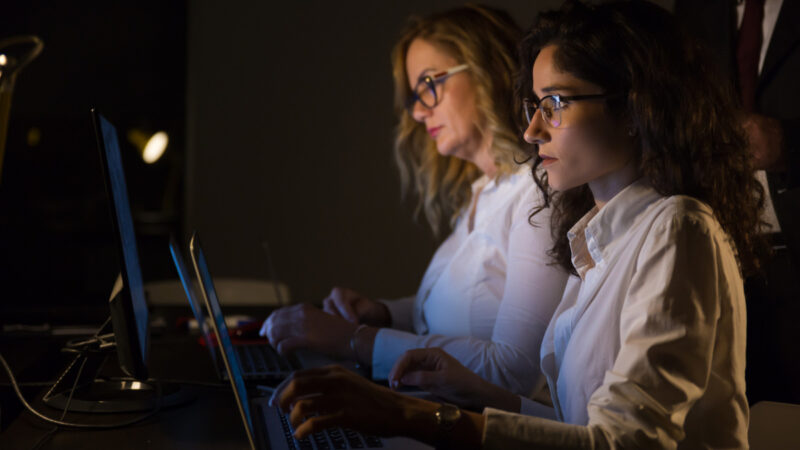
(758, 43)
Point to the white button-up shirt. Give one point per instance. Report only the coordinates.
(488, 293)
(648, 349)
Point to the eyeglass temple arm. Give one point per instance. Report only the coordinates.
(451, 71)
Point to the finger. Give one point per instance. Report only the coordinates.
(270, 331)
(306, 382)
(277, 332)
(345, 309)
(290, 344)
(340, 301)
(399, 369)
(423, 379)
(329, 307)
(278, 392)
(413, 360)
(319, 423)
(263, 331)
(313, 405)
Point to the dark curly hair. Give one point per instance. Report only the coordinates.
(688, 135)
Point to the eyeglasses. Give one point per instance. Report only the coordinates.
(425, 91)
(552, 106)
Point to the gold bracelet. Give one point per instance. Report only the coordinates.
(353, 343)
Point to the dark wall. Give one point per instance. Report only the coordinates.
(126, 59)
(289, 131)
(288, 119)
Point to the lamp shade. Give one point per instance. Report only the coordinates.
(151, 146)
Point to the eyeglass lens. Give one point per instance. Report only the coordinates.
(550, 110)
(426, 92)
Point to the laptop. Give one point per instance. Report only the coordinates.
(259, 361)
(266, 426)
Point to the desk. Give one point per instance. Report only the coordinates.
(211, 420)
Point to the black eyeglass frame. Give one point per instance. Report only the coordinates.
(430, 82)
(558, 98)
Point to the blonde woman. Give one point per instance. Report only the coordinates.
(489, 291)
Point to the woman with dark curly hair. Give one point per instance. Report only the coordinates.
(655, 209)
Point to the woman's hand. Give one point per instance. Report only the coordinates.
(334, 397)
(356, 308)
(304, 326)
(434, 370)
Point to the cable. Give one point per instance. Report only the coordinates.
(41, 416)
(210, 384)
(29, 383)
(55, 428)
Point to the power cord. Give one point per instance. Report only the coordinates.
(60, 422)
(54, 430)
(88, 426)
(209, 384)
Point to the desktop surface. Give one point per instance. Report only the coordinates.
(211, 420)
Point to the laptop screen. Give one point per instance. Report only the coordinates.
(194, 302)
(229, 355)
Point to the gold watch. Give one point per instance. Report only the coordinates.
(447, 415)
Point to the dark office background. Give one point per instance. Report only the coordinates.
(280, 119)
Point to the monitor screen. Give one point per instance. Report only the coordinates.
(129, 316)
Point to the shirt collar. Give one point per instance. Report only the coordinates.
(481, 183)
(590, 236)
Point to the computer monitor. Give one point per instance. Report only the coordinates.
(129, 315)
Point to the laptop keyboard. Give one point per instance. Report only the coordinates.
(330, 439)
(261, 359)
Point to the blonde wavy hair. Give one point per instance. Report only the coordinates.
(486, 40)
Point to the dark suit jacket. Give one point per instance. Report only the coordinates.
(777, 96)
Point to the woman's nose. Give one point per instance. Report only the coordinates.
(420, 112)
(536, 133)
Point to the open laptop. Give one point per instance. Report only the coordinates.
(265, 426)
(259, 361)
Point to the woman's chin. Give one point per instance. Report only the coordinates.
(559, 184)
(446, 149)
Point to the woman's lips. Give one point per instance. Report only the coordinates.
(435, 131)
(547, 160)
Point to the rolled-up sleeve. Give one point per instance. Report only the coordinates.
(509, 431)
(400, 311)
(668, 333)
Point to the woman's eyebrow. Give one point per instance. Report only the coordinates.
(558, 88)
(551, 89)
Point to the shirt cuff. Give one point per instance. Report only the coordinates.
(389, 345)
(401, 311)
(530, 407)
(514, 431)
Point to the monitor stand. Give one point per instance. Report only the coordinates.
(79, 388)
